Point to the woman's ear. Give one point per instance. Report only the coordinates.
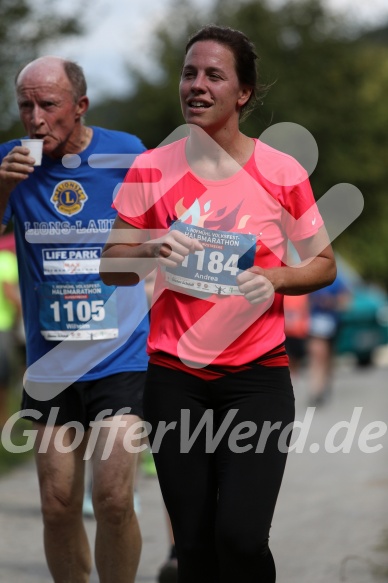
(245, 94)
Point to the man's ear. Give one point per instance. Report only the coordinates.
(82, 105)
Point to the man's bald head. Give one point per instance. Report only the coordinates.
(55, 69)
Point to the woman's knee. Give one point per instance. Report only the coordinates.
(242, 544)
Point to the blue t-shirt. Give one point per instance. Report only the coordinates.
(77, 328)
(325, 309)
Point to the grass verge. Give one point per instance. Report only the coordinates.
(16, 440)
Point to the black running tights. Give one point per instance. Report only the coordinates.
(220, 449)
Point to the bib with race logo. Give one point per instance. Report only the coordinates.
(214, 269)
(77, 311)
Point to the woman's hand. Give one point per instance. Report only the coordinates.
(255, 286)
(172, 248)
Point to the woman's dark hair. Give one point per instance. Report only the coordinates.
(244, 55)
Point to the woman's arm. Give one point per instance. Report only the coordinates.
(125, 261)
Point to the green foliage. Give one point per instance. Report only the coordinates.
(24, 30)
(9, 459)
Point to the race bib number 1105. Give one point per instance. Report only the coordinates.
(77, 311)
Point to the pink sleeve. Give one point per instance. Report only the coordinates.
(302, 218)
(136, 194)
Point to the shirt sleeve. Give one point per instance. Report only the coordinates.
(136, 195)
(301, 216)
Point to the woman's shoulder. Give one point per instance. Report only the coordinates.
(278, 167)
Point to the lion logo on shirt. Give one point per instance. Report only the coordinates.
(69, 197)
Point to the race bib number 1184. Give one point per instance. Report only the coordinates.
(214, 269)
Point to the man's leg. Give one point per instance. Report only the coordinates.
(118, 539)
(61, 482)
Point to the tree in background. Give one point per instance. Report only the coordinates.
(25, 27)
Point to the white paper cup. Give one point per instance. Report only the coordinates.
(36, 149)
